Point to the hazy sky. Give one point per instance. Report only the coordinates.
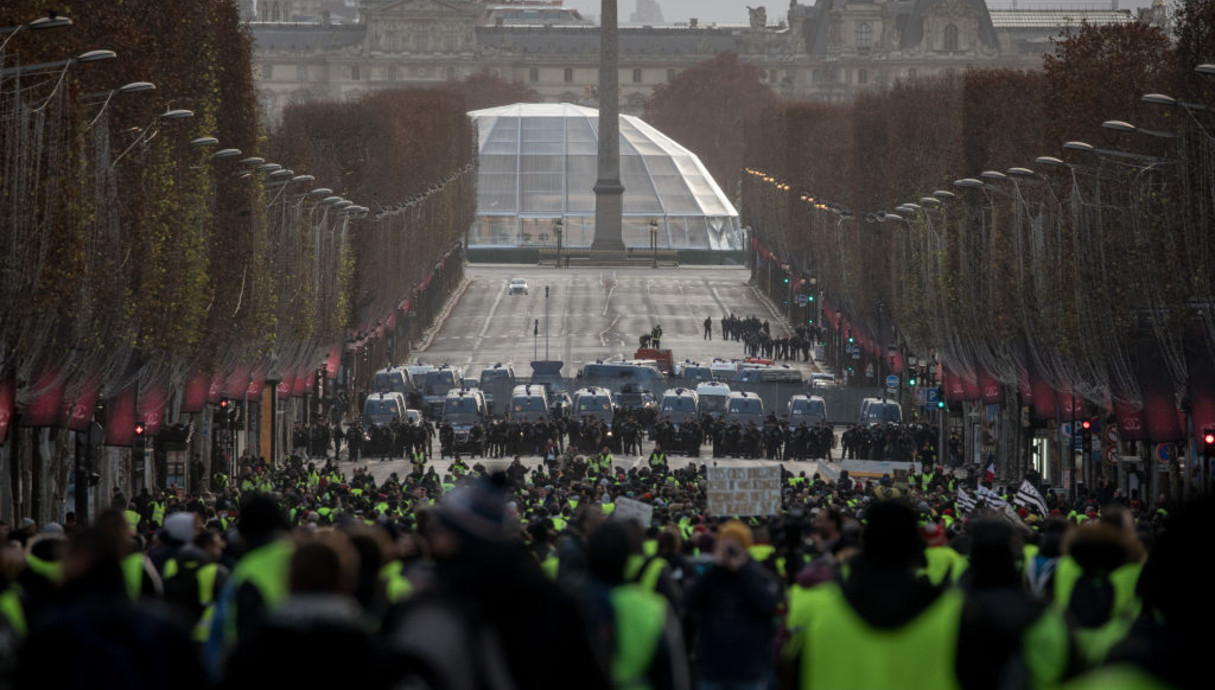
(735, 11)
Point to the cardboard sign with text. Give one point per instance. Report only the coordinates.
(628, 509)
(744, 491)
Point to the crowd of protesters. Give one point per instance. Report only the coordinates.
(303, 575)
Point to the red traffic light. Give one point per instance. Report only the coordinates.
(1209, 439)
(1086, 425)
(223, 404)
(139, 429)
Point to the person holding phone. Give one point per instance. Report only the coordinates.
(733, 610)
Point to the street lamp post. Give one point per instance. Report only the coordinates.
(654, 240)
(546, 323)
(558, 226)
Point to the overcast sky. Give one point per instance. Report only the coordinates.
(735, 11)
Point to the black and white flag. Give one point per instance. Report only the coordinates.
(966, 502)
(1028, 497)
(991, 498)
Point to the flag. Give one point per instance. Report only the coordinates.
(1028, 497)
(966, 502)
(991, 471)
(991, 498)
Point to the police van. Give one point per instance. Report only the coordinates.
(379, 411)
(594, 402)
(392, 380)
(744, 408)
(712, 398)
(810, 409)
(880, 411)
(436, 385)
(680, 405)
(724, 370)
(693, 371)
(615, 375)
(463, 409)
(529, 404)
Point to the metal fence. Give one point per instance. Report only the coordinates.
(843, 404)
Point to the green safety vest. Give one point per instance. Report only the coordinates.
(266, 568)
(802, 603)
(206, 574)
(920, 654)
(1045, 649)
(158, 512)
(942, 561)
(641, 618)
(657, 459)
(396, 585)
(608, 508)
(649, 547)
(133, 519)
(559, 523)
(761, 552)
(550, 565)
(1118, 677)
(10, 608)
(132, 574)
(50, 570)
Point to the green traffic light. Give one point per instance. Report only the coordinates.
(786, 281)
(911, 381)
(941, 404)
(851, 340)
(810, 298)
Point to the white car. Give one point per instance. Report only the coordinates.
(516, 286)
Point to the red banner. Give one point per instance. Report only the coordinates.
(85, 406)
(152, 402)
(1070, 406)
(1131, 426)
(257, 382)
(333, 362)
(955, 390)
(989, 388)
(1159, 400)
(8, 402)
(284, 387)
(303, 383)
(215, 391)
(970, 389)
(198, 389)
(237, 382)
(1044, 401)
(47, 406)
(120, 418)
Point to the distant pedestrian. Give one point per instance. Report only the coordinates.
(708, 328)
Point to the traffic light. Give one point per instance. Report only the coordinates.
(1086, 425)
(850, 339)
(140, 429)
(940, 398)
(1208, 442)
(786, 280)
(911, 381)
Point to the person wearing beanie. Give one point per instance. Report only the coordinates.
(732, 608)
(489, 607)
(179, 530)
(635, 632)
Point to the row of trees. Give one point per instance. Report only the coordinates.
(1073, 269)
(137, 263)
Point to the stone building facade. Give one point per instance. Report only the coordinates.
(829, 51)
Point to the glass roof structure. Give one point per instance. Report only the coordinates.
(538, 164)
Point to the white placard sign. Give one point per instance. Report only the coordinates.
(743, 491)
(628, 509)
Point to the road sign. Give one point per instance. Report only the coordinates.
(868, 370)
(892, 381)
(801, 300)
(930, 395)
(1111, 455)
(1163, 453)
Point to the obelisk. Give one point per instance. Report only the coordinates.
(609, 193)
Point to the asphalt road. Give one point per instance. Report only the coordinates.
(592, 314)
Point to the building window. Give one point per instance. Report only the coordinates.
(451, 74)
(392, 73)
(951, 38)
(862, 76)
(864, 36)
(569, 75)
(354, 72)
(670, 75)
(911, 74)
(636, 76)
(301, 73)
(533, 75)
